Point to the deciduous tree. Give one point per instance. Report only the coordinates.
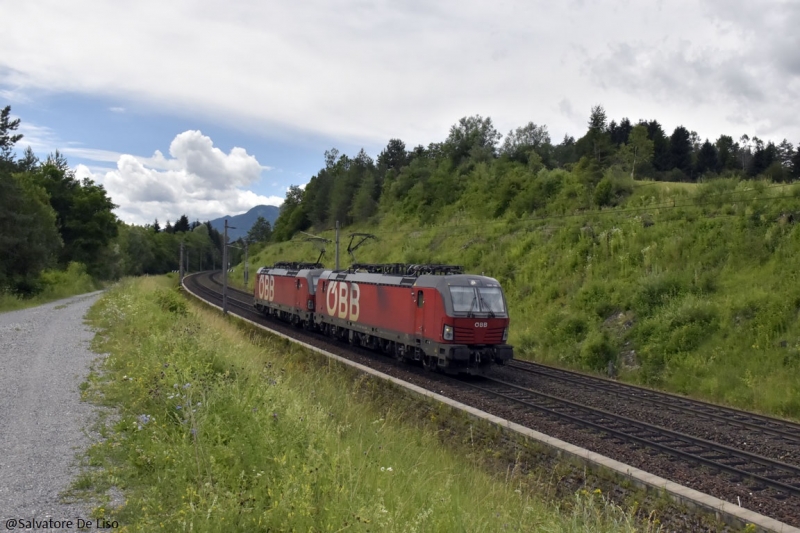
(638, 150)
(519, 143)
(469, 136)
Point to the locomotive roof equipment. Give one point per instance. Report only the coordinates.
(402, 269)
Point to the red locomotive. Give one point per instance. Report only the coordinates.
(435, 314)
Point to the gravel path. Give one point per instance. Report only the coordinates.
(44, 356)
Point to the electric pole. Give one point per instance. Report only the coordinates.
(225, 270)
(180, 264)
(245, 264)
(337, 245)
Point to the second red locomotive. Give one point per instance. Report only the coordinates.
(435, 314)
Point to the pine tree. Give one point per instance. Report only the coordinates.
(707, 160)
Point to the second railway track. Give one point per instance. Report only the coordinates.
(784, 429)
(745, 467)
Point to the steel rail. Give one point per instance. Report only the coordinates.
(719, 452)
(785, 429)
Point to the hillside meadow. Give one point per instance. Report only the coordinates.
(687, 287)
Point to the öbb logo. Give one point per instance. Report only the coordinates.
(342, 300)
(266, 288)
(481, 324)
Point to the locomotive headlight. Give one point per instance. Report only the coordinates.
(505, 335)
(448, 333)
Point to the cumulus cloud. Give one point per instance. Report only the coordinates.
(198, 180)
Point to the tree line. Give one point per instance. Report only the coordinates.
(472, 168)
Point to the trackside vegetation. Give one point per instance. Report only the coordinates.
(224, 429)
(687, 287)
(54, 284)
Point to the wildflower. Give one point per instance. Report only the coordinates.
(383, 469)
(193, 431)
(178, 407)
(187, 385)
(144, 419)
(199, 404)
(275, 416)
(175, 386)
(389, 469)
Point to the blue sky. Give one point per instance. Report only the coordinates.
(241, 99)
(94, 131)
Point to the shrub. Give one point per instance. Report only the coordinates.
(171, 301)
(655, 291)
(597, 350)
(604, 193)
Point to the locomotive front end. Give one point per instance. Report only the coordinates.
(474, 331)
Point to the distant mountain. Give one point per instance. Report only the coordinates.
(245, 221)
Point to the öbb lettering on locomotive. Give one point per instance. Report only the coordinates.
(434, 314)
(342, 300)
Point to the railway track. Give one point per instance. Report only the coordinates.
(783, 429)
(759, 481)
(743, 466)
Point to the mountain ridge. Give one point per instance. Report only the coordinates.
(244, 221)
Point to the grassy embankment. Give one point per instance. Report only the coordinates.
(691, 288)
(56, 284)
(221, 429)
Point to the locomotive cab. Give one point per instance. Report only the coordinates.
(473, 329)
(477, 319)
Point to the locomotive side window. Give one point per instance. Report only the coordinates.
(420, 298)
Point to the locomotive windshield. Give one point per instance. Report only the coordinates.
(477, 300)
(491, 300)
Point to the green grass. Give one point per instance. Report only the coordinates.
(223, 430)
(56, 285)
(688, 287)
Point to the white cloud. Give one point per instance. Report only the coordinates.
(39, 138)
(116, 109)
(198, 180)
(367, 71)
